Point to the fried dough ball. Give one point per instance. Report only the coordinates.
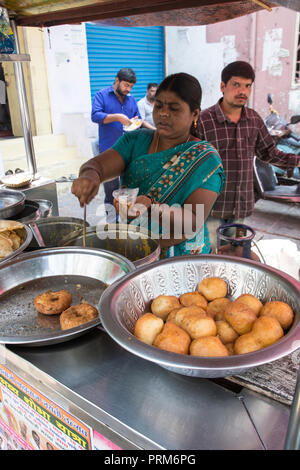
(196, 326)
(245, 344)
(172, 314)
(267, 330)
(229, 347)
(213, 288)
(251, 301)
(225, 332)
(193, 298)
(173, 339)
(279, 310)
(52, 303)
(240, 317)
(77, 315)
(216, 308)
(147, 327)
(163, 305)
(184, 311)
(210, 346)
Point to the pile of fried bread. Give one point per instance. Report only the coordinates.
(11, 237)
(207, 323)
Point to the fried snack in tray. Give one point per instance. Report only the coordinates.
(240, 317)
(10, 237)
(77, 315)
(216, 308)
(52, 303)
(210, 346)
(193, 298)
(173, 339)
(163, 305)
(218, 327)
(279, 310)
(251, 301)
(147, 327)
(213, 288)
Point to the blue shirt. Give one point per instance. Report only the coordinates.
(106, 102)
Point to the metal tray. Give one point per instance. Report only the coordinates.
(124, 302)
(85, 273)
(11, 203)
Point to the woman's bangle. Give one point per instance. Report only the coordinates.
(87, 170)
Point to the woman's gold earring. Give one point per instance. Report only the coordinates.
(195, 124)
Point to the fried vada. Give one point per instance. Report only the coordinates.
(216, 308)
(252, 302)
(225, 332)
(210, 346)
(213, 288)
(193, 298)
(197, 326)
(162, 305)
(77, 315)
(147, 327)
(52, 303)
(240, 317)
(279, 310)
(173, 339)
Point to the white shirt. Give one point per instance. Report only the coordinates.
(145, 109)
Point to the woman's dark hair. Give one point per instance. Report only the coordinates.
(187, 88)
(237, 69)
(126, 75)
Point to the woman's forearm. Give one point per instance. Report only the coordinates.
(107, 165)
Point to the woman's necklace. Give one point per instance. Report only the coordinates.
(157, 143)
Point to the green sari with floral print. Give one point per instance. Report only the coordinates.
(171, 176)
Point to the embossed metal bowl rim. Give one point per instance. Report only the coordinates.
(21, 248)
(208, 366)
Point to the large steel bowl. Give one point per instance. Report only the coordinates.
(135, 243)
(124, 302)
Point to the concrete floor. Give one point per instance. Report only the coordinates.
(276, 221)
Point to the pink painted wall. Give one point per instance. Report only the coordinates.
(251, 45)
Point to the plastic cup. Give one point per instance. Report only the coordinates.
(126, 196)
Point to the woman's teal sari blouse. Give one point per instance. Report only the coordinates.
(171, 176)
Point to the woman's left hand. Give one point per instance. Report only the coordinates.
(141, 205)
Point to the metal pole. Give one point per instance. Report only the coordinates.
(25, 118)
(292, 440)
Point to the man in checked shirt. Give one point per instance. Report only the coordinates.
(238, 133)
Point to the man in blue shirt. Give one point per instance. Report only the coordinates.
(113, 107)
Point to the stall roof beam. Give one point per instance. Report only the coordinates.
(55, 12)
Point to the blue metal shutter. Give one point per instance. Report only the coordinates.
(112, 48)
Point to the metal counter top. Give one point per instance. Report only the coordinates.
(147, 406)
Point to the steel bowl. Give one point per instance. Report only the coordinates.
(55, 230)
(26, 235)
(135, 243)
(85, 273)
(45, 207)
(123, 303)
(11, 203)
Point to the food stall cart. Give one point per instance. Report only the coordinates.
(88, 392)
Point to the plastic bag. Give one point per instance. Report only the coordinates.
(7, 39)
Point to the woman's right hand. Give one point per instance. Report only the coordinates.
(85, 189)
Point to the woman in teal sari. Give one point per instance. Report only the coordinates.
(175, 172)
